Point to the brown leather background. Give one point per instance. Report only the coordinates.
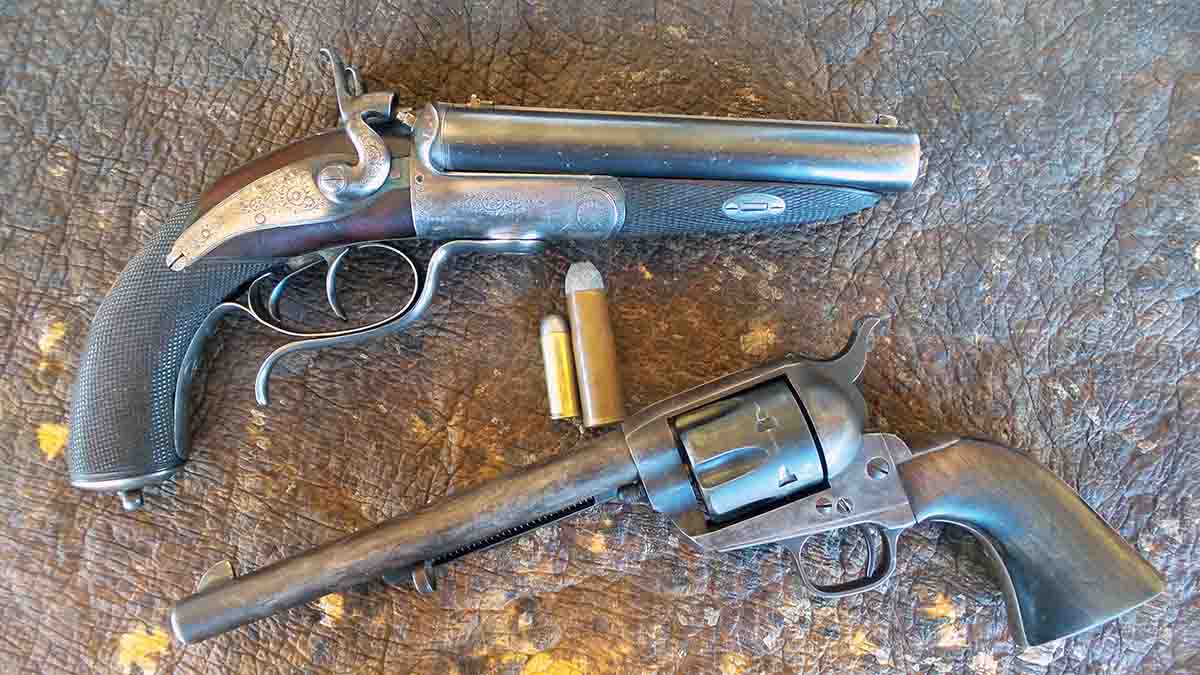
(1043, 281)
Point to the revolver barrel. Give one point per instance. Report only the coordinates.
(476, 519)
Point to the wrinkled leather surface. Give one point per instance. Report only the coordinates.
(1043, 282)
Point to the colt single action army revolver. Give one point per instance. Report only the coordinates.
(775, 454)
(480, 177)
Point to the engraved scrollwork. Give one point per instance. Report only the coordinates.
(499, 202)
(286, 193)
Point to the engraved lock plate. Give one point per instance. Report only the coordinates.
(312, 189)
(753, 206)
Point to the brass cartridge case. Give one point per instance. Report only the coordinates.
(559, 364)
(600, 392)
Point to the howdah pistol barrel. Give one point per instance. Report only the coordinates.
(877, 157)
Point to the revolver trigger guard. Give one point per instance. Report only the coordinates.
(876, 575)
(418, 304)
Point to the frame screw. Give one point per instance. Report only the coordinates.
(844, 506)
(878, 468)
(824, 505)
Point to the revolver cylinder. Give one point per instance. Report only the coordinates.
(712, 455)
(750, 448)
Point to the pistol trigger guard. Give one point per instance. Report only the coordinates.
(415, 308)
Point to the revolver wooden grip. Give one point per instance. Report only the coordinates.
(1062, 569)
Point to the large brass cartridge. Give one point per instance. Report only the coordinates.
(600, 393)
(560, 368)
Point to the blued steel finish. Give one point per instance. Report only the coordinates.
(749, 448)
(1062, 568)
(825, 389)
(872, 157)
(593, 472)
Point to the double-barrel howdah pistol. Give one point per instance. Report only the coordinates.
(480, 177)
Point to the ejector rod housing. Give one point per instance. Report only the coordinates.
(476, 519)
